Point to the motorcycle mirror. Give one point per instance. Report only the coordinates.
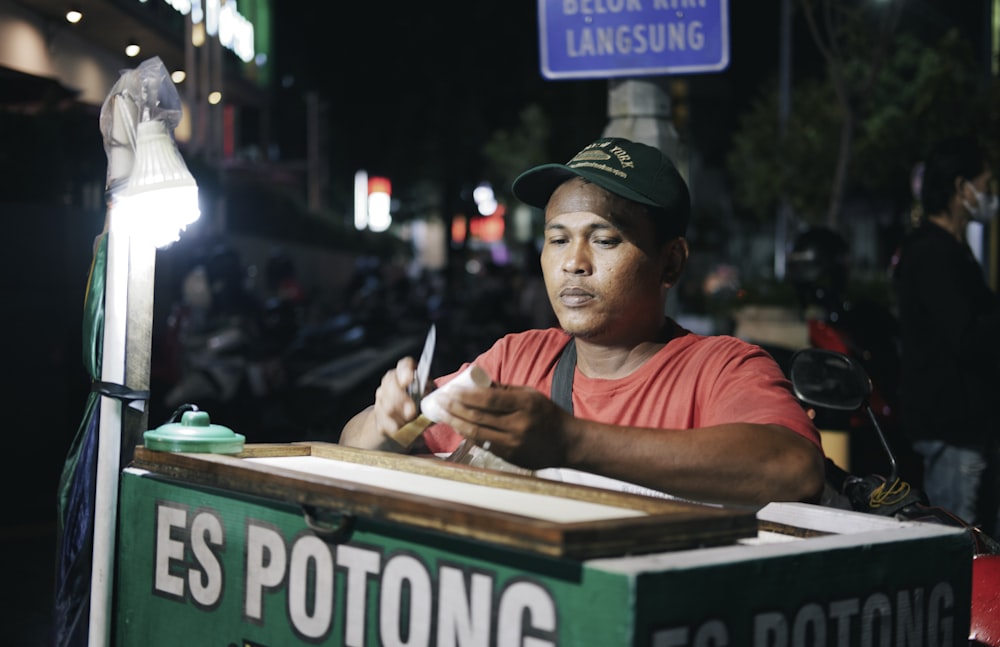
(828, 379)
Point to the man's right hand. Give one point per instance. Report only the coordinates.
(393, 408)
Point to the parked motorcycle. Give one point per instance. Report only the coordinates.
(833, 380)
(849, 320)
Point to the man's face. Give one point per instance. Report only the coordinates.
(604, 272)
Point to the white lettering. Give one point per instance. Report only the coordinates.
(710, 634)
(594, 7)
(206, 583)
(696, 35)
(841, 612)
(673, 637)
(877, 608)
(455, 605)
(770, 630)
(916, 619)
(463, 616)
(909, 617)
(265, 568)
(167, 550)
(655, 38)
(404, 577)
(360, 564)
(676, 37)
(940, 622)
(310, 556)
(526, 617)
(809, 627)
(415, 607)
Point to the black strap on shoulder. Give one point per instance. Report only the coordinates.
(562, 381)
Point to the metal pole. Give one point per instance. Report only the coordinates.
(989, 50)
(785, 67)
(783, 218)
(109, 438)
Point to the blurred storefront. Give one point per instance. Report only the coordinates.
(218, 52)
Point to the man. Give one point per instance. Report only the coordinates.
(950, 324)
(710, 419)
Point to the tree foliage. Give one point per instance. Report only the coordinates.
(508, 152)
(924, 94)
(767, 167)
(872, 130)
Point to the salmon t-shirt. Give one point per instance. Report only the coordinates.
(693, 381)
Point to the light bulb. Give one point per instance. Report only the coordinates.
(161, 197)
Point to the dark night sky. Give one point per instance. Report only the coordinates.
(418, 87)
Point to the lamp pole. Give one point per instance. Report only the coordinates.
(152, 198)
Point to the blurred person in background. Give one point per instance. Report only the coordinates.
(950, 329)
(619, 390)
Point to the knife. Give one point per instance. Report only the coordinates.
(409, 432)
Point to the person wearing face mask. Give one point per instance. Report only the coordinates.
(950, 336)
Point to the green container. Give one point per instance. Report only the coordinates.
(194, 433)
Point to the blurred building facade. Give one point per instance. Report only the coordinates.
(219, 52)
(56, 74)
(54, 77)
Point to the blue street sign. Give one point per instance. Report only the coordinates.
(598, 39)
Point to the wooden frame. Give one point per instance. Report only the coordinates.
(647, 524)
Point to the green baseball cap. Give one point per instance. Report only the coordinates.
(632, 170)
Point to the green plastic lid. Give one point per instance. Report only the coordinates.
(194, 433)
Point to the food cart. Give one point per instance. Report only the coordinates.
(319, 544)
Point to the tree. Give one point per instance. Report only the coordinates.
(508, 152)
(924, 94)
(847, 32)
(767, 167)
(856, 132)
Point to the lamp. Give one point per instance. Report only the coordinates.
(132, 49)
(73, 14)
(153, 197)
(161, 197)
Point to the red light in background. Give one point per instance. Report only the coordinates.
(458, 229)
(379, 185)
(488, 229)
(228, 132)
